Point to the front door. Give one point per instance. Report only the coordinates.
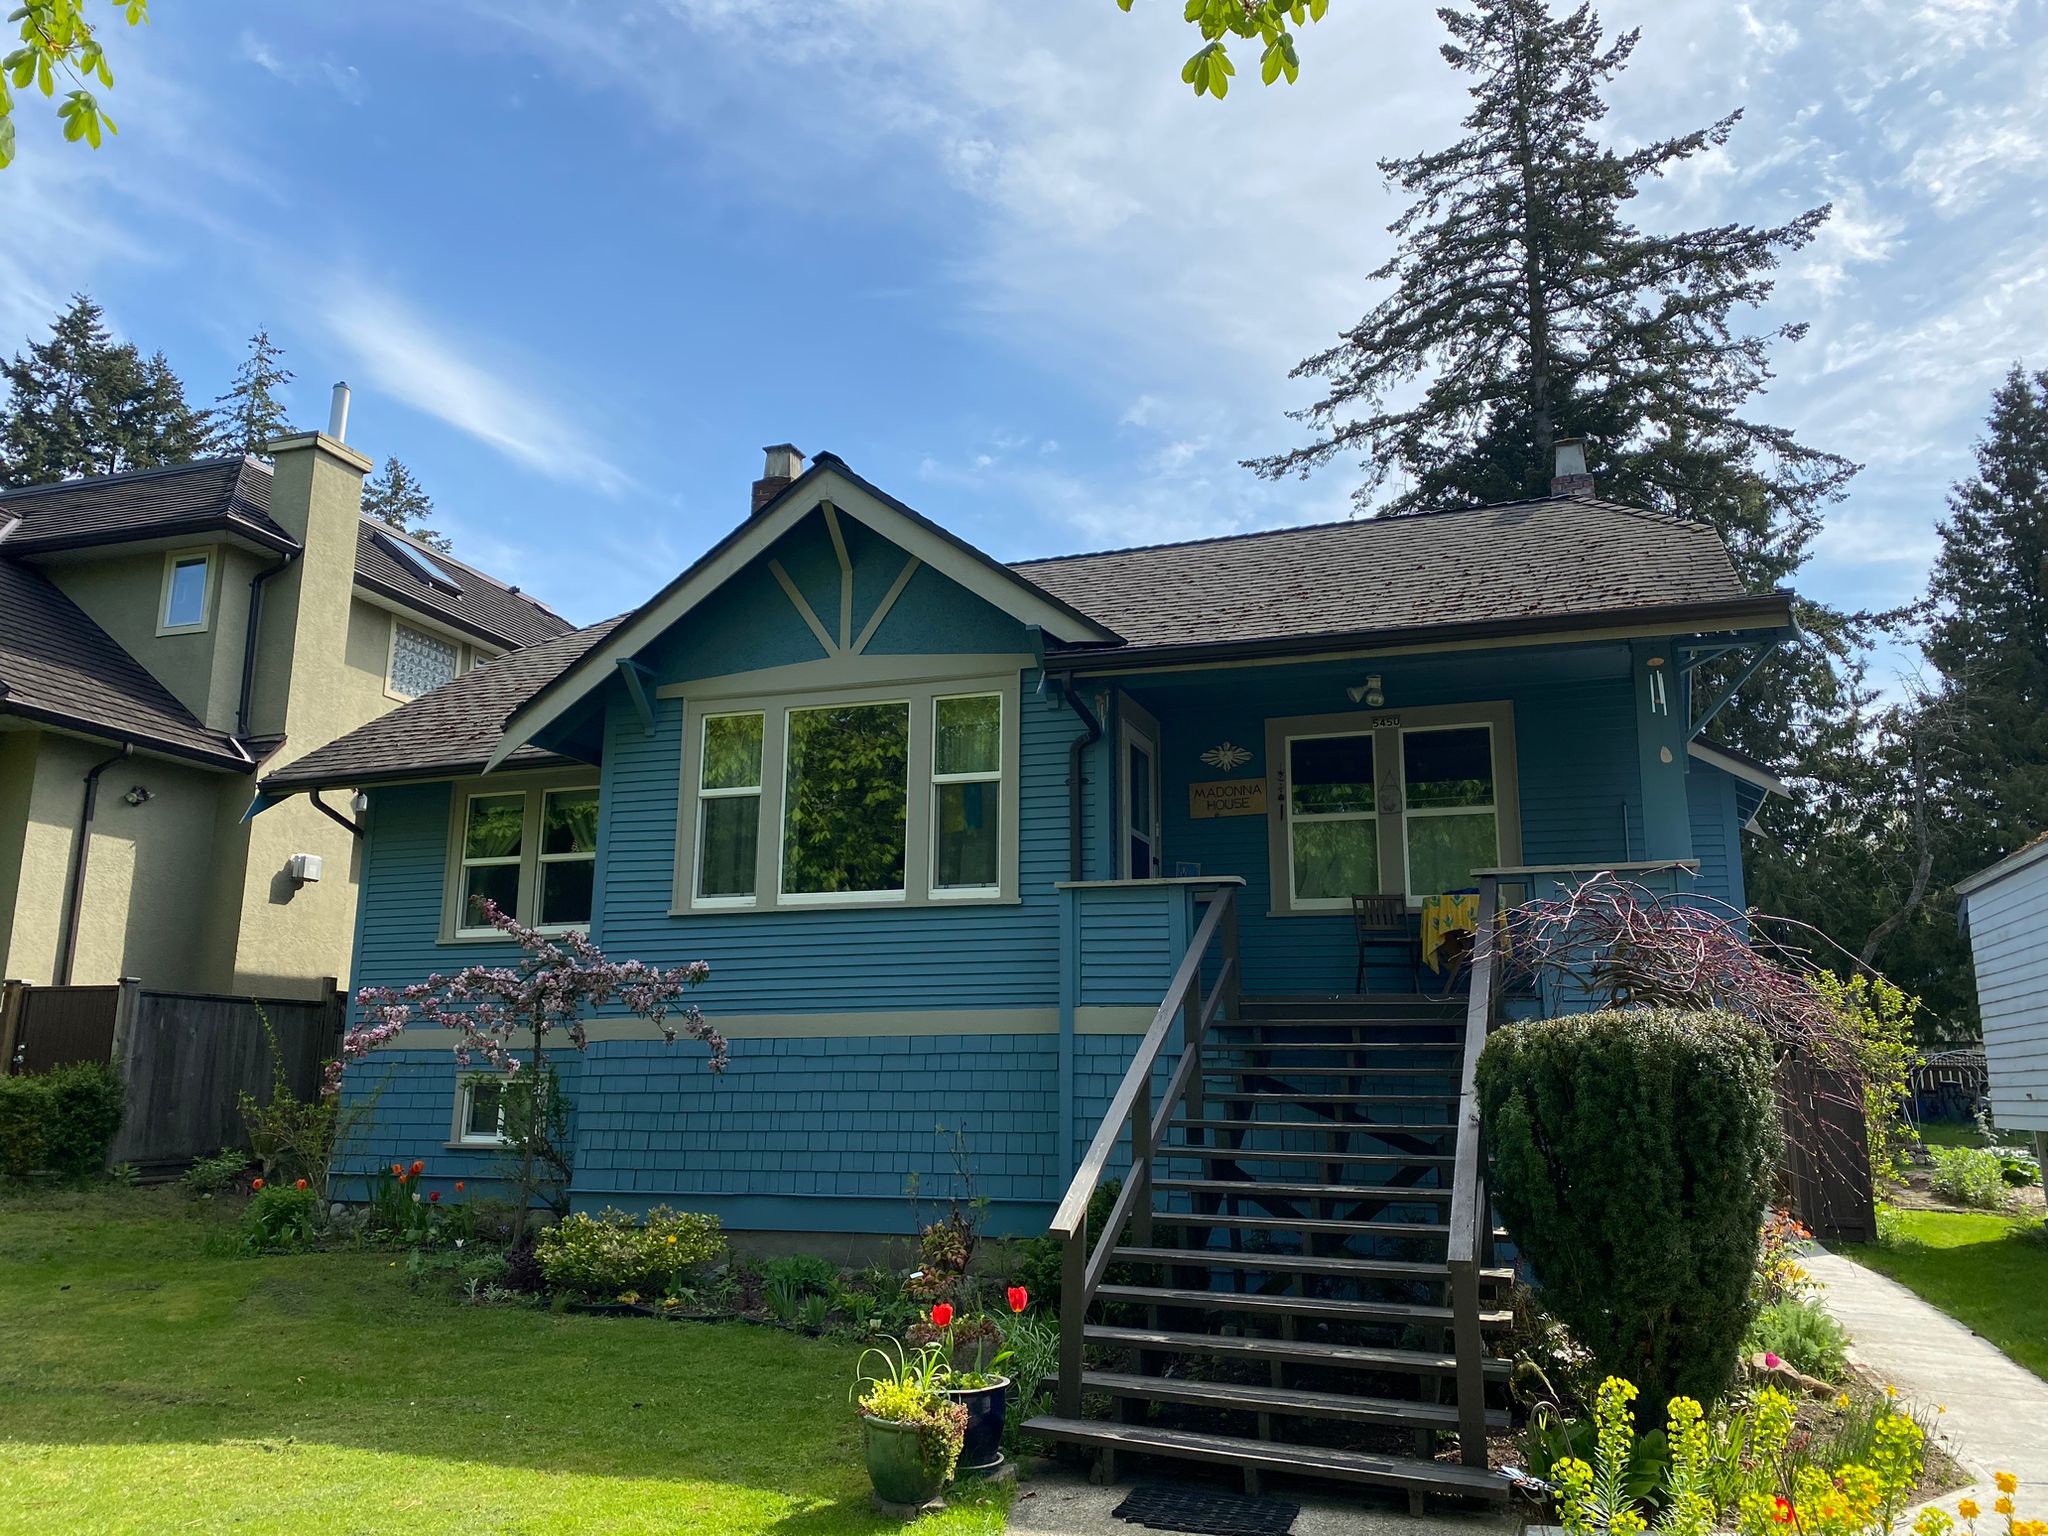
(1138, 794)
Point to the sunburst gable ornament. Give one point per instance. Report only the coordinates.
(1226, 757)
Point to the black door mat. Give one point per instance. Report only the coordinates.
(1205, 1511)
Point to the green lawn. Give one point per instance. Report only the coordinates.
(148, 1383)
(1987, 1271)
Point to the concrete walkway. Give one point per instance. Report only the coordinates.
(1996, 1417)
(1054, 1501)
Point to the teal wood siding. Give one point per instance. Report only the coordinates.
(1716, 818)
(414, 1093)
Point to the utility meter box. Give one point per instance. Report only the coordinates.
(304, 867)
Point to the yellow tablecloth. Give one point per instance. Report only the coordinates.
(1443, 916)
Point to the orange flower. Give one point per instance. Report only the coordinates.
(255, 1184)
(942, 1315)
(398, 1168)
(458, 1186)
(418, 1168)
(1781, 1511)
(300, 1185)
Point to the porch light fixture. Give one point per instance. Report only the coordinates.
(1369, 693)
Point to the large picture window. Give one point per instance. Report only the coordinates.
(1389, 802)
(845, 800)
(533, 852)
(886, 794)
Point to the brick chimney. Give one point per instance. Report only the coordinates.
(1570, 477)
(784, 465)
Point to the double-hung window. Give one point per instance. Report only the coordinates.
(480, 1112)
(1333, 834)
(883, 795)
(531, 852)
(1453, 824)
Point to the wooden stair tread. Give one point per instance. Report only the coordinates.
(1293, 1069)
(1212, 1043)
(1282, 1155)
(1347, 1127)
(1393, 1193)
(1297, 1306)
(1275, 1096)
(1302, 1264)
(1319, 1224)
(1315, 1461)
(1283, 1400)
(1305, 1351)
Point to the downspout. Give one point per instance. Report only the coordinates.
(355, 827)
(249, 641)
(1075, 748)
(74, 895)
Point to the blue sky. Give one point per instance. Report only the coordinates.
(580, 261)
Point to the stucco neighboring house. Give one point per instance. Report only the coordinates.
(2005, 909)
(167, 635)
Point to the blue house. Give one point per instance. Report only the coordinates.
(955, 835)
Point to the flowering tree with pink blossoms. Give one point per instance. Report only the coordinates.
(494, 1011)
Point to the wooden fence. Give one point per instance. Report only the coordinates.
(187, 1057)
(1826, 1168)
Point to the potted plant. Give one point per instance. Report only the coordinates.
(914, 1430)
(982, 1390)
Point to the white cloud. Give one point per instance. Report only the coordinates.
(345, 80)
(494, 399)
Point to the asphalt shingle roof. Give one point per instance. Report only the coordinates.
(59, 666)
(211, 496)
(1524, 560)
(233, 496)
(449, 731)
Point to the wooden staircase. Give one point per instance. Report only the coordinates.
(1289, 1297)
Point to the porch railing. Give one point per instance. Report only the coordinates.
(1471, 1218)
(1130, 1109)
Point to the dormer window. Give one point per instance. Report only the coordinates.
(187, 575)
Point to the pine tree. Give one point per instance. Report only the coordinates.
(395, 496)
(83, 404)
(1535, 311)
(250, 414)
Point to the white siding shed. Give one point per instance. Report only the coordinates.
(2006, 907)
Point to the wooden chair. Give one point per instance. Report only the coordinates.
(1384, 920)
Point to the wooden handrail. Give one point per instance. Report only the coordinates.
(1082, 1266)
(1471, 1219)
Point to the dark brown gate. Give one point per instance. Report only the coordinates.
(56, 1026)
(1826, 1168)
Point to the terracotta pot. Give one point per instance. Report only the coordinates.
(896, 1463)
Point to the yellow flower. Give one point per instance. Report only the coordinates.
(1890, 1390)
(1968, 1509)
(671, 1239)
(2007, 1483)
(2003, 1504)
(1842, 1400)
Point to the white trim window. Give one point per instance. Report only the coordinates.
(888, 795)
(420, 662)
(1333, 832)
(531, 851)
(187, 584)
(729, 808)
(1452, 816)
(967, 795)
(480, 1111)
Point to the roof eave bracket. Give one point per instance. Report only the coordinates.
(1764, 652)
(636, 679)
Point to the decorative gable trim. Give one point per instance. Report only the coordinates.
(828, 485)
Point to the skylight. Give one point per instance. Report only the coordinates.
(417, 561)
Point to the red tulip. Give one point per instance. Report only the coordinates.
(434, 1198)
(300, 1185)
(1019, 1298)
(418, 1168)
(1781, 1512)
(942, 1315)
(255, 1184)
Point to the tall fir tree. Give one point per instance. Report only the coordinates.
(394, 496)
(250, 414)
(1988, 633)
(82, 403)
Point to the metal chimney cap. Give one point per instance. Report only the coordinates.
(1571, 457)
(337, 413)
(785, 461)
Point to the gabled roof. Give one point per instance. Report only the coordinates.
(827, 480)
(481, 605)
(1519, 564)
(229, 495)
(445, 733)
(58, 667)
(232, 496)
(2021, 858)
